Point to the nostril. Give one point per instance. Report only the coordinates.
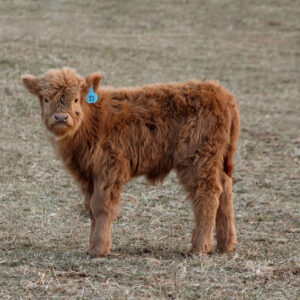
(61, 117)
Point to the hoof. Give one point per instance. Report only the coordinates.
(203, 250)
(225, 249)
(96, 253)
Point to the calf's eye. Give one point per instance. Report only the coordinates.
(46, 100)
(76, 100)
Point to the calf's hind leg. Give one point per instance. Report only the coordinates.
(204, 191)
(205, 209)
(225, 229)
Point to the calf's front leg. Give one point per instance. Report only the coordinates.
(104, 207)
(87, 204)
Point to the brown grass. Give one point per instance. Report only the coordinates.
(253, 49)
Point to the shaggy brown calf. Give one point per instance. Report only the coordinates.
(191, 127)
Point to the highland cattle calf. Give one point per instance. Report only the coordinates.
(107, 136)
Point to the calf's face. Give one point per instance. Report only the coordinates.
(61, 94)
(61, 111)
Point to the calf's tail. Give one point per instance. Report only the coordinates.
(234, 135)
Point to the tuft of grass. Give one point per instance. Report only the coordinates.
(253, 49)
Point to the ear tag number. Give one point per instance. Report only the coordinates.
(91, 97)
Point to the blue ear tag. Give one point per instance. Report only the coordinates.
(91, 97)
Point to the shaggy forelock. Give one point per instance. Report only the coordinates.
(64, 79)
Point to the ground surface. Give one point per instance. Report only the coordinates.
(252, 47)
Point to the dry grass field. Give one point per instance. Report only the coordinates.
(251, 47)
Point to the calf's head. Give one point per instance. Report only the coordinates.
(61, 94)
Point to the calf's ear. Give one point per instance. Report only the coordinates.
(93, 80)
(32, 84)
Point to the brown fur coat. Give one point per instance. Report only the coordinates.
(191, 127)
